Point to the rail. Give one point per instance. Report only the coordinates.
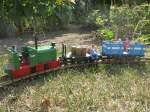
(6, 80)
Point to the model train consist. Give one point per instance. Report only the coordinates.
(42, 58)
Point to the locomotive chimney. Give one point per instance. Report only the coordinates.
(36, 40)
(53, 44)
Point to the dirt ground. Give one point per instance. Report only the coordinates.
(74, 35)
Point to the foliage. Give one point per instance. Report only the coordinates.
(84, 8)
(104, 34)
(91, 17)
(39, 15)
(126, 22)
(19, 15)
(100, 21)
(144, 38)
(86, 11)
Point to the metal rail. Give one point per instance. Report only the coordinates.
(6, 80)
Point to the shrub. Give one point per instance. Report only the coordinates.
(125, 21)
(104, 34)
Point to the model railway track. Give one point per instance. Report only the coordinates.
(6, 80)
(146, 58)
(125, 60)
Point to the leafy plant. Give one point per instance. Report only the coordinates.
(144, 39)
(129, 21)
(99, 21)
(17, 16)
(105, 34)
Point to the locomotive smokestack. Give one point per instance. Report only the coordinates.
(36, 40)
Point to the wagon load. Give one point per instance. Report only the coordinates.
(78, 51)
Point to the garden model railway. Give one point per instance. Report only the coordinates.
(74, 56)
(32, 61)
(6, 80)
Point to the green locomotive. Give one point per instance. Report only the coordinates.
(31, 60)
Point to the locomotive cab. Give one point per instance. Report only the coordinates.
(14, 60)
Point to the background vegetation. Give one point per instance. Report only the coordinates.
(116, 18)
(119, 88)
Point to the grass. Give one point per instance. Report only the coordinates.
(119, 88)
(108, 88)
(3, 61)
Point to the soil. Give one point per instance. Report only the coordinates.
(74, 35)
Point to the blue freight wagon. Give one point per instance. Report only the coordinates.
(117, 48)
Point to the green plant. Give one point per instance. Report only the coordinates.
(129, 21)
(100, 21)
(104, 34)
(2, 109)
(17, 16)
(144, 39)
